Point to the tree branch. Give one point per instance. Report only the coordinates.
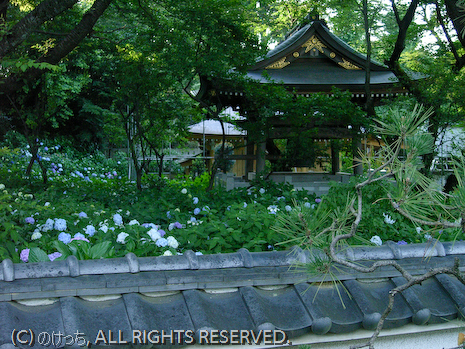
(404, 24)
(45, 11)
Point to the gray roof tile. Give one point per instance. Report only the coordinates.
(162, 313)
(89, 317)
(332, 301)
(242, 290)
(14, 316)
(279, 307)
(218, 311)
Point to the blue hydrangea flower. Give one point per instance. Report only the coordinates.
(90, 230)
(60, 224)
(118, 219)
(288, 208)
(64, 237)
(196, 211)
(82, 215)
(195, 200)
(168, 214)
(307, 205)
(162, 242)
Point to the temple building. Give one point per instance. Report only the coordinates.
(309, 60)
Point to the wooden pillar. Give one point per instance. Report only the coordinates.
(261, 150)
(250, 150)
(335, 147)
(356, 149)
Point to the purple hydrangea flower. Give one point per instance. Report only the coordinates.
(54, 255)
(317, 200)
(24, 255)
(177, 225)
(30, 220)
(161, 232)
(401, 242)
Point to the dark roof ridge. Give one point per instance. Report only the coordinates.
(71, 267)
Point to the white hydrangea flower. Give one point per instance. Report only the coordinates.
(134, 222)
(154, 234)
(167, 253)
(36, 235)
(388, 219)
(104, 228)
(418, 229)
(262, 191)
(376, 240)
(184, 191)
(122, 238)
(172, 242)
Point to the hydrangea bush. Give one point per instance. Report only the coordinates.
(90, 210)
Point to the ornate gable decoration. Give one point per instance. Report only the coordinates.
(312, 43)
(347, 65)
(279, 64)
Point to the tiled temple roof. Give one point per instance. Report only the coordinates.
(236, 291)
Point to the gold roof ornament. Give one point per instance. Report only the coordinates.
(279, 64)
(347, 65)
(312, 43)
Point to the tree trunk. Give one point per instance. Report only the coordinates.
(457, 15)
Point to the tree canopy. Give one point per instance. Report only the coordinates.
(66, 66)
